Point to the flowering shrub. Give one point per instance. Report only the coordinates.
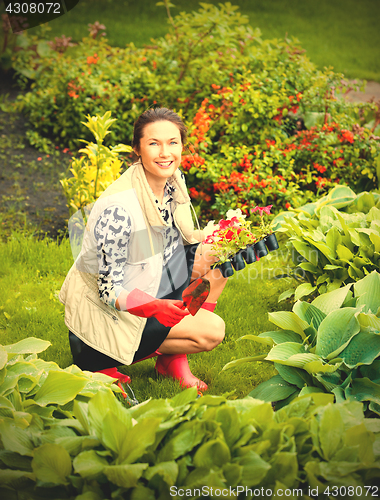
(233, 180)
(324, 156)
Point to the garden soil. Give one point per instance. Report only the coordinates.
(29, 179)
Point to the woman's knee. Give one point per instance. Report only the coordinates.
(213, 333)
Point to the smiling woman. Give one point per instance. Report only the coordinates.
(123, 295)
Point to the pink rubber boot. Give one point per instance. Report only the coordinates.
(210, 306)
(121, 378)
(177, 367)
(114, 373)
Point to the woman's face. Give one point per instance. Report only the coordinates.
(160, 150)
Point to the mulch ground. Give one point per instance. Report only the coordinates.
(30, 192)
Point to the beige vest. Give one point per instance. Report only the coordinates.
(118, 333)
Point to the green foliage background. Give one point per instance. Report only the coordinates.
(340, 33)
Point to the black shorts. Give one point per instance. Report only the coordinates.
(153, 335)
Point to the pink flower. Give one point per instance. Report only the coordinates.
(262, 210)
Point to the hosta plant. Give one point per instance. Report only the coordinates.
(331, 247)
(330, 345)
(66, 436)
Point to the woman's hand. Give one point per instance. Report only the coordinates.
(170, 312)
(167, 312)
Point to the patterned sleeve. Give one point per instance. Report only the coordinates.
(112, 232)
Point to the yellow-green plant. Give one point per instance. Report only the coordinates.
(93, 172)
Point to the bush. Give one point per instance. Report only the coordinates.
(331, 345)
(323, 156)
(92, 175)
(65, 435)
(331, 248)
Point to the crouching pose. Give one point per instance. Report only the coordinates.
(123, 295)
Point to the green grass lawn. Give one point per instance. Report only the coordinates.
(33, 271)
(344, 34)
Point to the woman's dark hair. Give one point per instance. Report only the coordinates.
(157, 115)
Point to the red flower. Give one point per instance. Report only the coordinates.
(193, 192)
(287, 205)
(223, 224)
(347, 136)
(320, 168)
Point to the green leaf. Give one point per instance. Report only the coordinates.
(80, 412)
(333, 239)
(182, 440)
(125, 476)
(254, 469)
(242, 361)
(105, 401)
(51, 464)
(3, 357)
(138, 439)
(228, 418)
(281, 336)
(284, 465)
(76, 444)
(257, 338)
(306, 251)
(159, 407)
(288, 321)
(274, 389)
(330, 301)
(306, 391)
(212, 453)
(368, 290)
(331, 430)
(369, 320)
(29, 345)
(336, 331)
(287, 294)
(168, 471)
(89, 464)
(362, 439)
(183, 398)
(8, 476)
(303, 290)
(309, 313)
(363, 349)
(15, 438)
(320, 367)
(363, 389)
(59, 387)
(293, 375)
(114, 432)
(344, 253)
(291, 354)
